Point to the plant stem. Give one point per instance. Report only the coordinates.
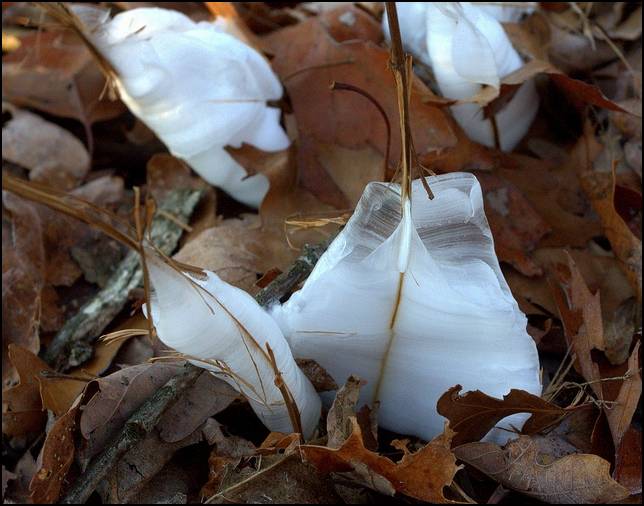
(400, 64)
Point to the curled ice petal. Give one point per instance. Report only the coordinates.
(448, 319)
(226, 331)
(466, 47)
(197, 87)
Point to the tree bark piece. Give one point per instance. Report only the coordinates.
(72, 346)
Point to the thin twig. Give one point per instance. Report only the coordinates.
(317, 67)
(349, 87)
(289, 401)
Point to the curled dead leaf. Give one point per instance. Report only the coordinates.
(22, 406)
(56, 458)
(474, 414)
(600, 188)
(546, 469)
(580, 312)
(422, 475)
(338, 422)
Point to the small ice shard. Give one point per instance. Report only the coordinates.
(412, 299)
(226, 331)
(467, 48)
(197, 87)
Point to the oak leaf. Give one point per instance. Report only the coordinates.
(581, 316)
(474, 414)
(308, 59)
(421, 475)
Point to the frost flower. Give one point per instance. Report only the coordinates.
(198, 88)
(414, 302)
(225, 331)
(467, 48)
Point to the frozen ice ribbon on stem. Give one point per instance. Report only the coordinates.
(411, 298)
(467, 48)
(197, 87)
(226, 331)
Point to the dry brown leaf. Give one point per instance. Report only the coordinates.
(165, 174)
(601, 272)
(474, 414)
(235, 25)
(280, 475)
(572, 51)
(317, 375)
(58, 393)
(338, 422)
(580, 312)
(287, 200)
(41, 388)
(280, 480)
(56, 74)
(118, 396)
(237, 250)
(348, 24)
(546, 469)
(531, 36)
(600, 188)
(308, 59)
(22, 409)
(141, 464)
(279, 443)
(628, 461)
(56, 458)
(171, 485)
(226, 454)
(578, 92)
(62, 234)
(554, 192)
(121, 393)
(421, 475)
(51, 154)
(621, 414)
(351, 169)
(23, 259)
(516, 226)
(207, 397)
